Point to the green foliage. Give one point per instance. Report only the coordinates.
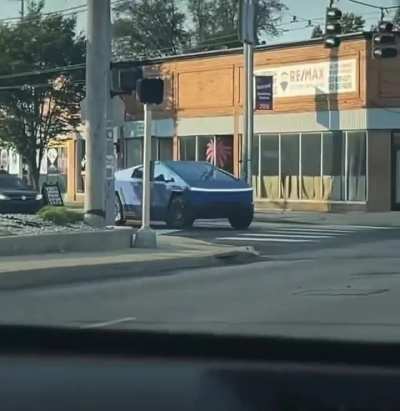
(216, 22)
(352, 23)
(60, 215)
(33, 110)
(149, 28)
(317, 32)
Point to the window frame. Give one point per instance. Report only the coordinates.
(322, 138)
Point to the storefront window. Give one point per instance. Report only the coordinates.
(217, 150)
(333, 166)
(205, 148)
(255, 165)
(270, 166)
(161, 149)
(165, 149)
(311, 166)
(134, 147)
(188, 148)
(356, 168)
(223, 156)
(290, 166)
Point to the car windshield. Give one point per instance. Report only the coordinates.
(196, 172)
(273, 207)
(11, 182)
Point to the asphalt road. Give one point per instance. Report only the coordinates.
(338, 282)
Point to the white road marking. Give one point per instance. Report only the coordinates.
(355, 227)
(311, 230)
(266, 240)
(109, 323)
(289, 235)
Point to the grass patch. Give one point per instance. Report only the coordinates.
(60, 215)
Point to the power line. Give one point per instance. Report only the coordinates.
(362, 3)
(34, 86)
(64, 12)
(58, 69)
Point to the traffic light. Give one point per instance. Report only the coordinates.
(150, 91)
(332, 27)
(124, 79)
(385, 41)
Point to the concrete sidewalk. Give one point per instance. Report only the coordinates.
(384, 219)
(174, 253)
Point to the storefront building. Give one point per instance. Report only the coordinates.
(331, 142)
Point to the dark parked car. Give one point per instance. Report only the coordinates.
(182, 191)
(17, 197)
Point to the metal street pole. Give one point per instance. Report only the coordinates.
(97, 91)
(248, 125)
(110, 152)
(146, 237)
(248, 36)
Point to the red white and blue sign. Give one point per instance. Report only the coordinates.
(264, 92)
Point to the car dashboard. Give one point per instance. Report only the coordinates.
(62, 369)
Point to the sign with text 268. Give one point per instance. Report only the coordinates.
(264, 93)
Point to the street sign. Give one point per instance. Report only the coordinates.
(264, 92)
(52, 195)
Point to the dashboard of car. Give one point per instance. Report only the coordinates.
(62, 369)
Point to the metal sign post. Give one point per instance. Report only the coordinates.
(146, 237)
(248, 36)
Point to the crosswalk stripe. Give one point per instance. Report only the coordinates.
(275, 227)
(355, 227)
(322, 232)
(266, 240)
(313, 236)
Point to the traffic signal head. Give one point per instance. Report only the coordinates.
(333, 14)
(150, 91)
(386, 39)
(385, 53)
(128, 78)
(333, 27)
(384, 42)
(332, 42)
(385, 27)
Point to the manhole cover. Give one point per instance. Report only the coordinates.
(339, 292)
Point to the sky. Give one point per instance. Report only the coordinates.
(302, 9)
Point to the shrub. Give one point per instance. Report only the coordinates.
(60, 215)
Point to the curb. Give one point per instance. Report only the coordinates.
(61, 275)
(89, 241)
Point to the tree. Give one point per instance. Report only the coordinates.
(37, 108)
(216, 22)
(317, 32)
(352, 23)
(148, 28)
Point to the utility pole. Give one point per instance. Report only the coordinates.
(248, 36)
(97, 93)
